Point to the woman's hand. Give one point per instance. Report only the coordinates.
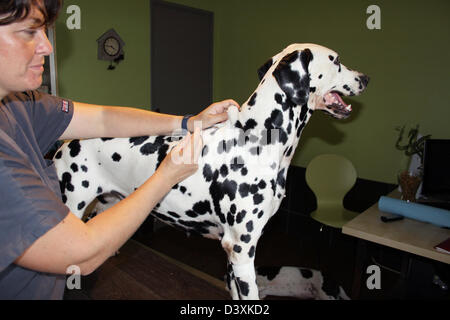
(215, 113)
(182, 161)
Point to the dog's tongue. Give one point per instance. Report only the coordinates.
(334, 98)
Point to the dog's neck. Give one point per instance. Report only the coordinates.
(268, 109)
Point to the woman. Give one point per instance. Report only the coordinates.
(39, 237)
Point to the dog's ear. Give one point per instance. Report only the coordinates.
(263, 69)
(294, 79)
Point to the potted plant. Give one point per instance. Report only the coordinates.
(409, 180)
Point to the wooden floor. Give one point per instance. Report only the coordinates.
(139, 272)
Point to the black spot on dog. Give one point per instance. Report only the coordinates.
(246, 238)
(65, 182)
(173, 214)
(251, 252)
(244, 189)
(260, 214)
(281, 180)
(74, 167)
(230, 188)
(233, 208)
(202, 207)
(84, 168)
(237, 163)
(273, 185)
(74, 147)
(249, 226)
(304, 113)
(85, 184)
(257, 199)
(289, 151)
(230, 219)
(331, 58)
(81, 205)
(269, 272)
(116, 157)
(191, 213)
(262, 184)
(162, 152)
(320, 76)
(275, 120)
(243, 287)
(183, 189)
(99, 190)
(240, 216)
(136, 141)
(148, 148)
(223, 170)
(207, 173)
(58, 155)
(237, 248)
(252, 99)
(218, 190)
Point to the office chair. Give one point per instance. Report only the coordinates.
(330, 177)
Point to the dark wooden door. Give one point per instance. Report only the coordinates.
(182, 58)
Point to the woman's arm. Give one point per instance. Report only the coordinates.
(88, 245)
(94, 121)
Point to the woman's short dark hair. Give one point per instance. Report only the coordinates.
(17, 10)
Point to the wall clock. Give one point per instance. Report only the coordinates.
(110, 47)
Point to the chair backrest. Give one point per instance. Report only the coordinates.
(330, 177)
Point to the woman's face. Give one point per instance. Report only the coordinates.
(23, 46)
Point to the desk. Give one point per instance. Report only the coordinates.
(408, 235)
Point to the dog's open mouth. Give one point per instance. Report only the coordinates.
(337, 107)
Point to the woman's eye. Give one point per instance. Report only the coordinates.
(30, 32)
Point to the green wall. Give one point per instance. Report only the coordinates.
(407, 61)
(84, 78)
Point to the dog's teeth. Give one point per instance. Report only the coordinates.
(349, 107)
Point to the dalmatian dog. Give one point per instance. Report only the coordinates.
(301, 283)
(243, 164)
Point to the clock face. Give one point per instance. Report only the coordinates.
(111, 46)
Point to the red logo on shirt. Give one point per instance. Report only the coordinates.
(65, 106)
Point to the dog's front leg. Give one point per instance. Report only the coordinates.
(245, 281)
(231, 283)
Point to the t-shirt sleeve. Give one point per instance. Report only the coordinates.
(50, 117)
(29, 207)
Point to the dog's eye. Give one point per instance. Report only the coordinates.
(337, 62)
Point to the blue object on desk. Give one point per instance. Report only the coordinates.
(439, 217)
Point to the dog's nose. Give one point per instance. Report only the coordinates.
(365, 80)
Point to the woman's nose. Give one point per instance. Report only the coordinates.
(44, 46)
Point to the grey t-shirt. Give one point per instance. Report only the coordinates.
(30, 197)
